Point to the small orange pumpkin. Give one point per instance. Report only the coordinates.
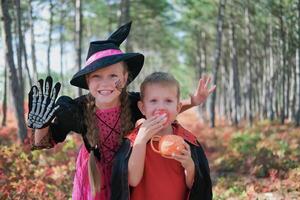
(168, 144)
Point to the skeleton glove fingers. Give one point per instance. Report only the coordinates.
(42, 103)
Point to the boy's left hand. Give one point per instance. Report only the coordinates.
(202, 91)
(185, 158)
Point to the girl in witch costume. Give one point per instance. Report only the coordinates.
(102, 117)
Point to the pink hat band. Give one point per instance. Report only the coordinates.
(101, 54)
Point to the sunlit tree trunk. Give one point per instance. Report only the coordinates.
(298, 67)
(271, 79)
(124, 18)
(51, 6)
(217, 56)
(14, 82)
(234, 74)
(26, 63)
(248, 66)
(61, 43)
(283, 65)
(78, 37)
(19, 46)
(32, 44)
(4, 102)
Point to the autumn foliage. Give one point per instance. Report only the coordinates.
(258, 162)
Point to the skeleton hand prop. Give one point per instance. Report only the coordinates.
(41, 103)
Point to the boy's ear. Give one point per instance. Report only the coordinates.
(179, 106)
(141, 107)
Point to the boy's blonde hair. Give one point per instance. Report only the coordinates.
(159, 78)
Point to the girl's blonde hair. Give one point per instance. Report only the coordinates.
(92, 133)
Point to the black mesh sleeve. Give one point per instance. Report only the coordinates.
(69, 117)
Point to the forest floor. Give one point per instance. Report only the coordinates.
(258, 162)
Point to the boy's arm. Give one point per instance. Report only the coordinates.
(189, 176)
(136, 163)
(200, 95)
(187, 163)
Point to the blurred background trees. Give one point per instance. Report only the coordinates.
(250, 48)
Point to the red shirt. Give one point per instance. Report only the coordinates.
(163, 178)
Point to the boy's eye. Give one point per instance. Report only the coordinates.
(113, 75)
(169, 100)
(153, 100)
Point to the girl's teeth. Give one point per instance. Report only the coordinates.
(105, 92)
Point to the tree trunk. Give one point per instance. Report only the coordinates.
(298, 68)
(14, 82)
(271, 78)
(124, 18)
(248, 97)
(283, 65)
(78, 37)
(19, 47)
(217, 56)
(4, 103)
(50, 37)
(234, 75)
(26, 63)
(33, 57)
(61, 44)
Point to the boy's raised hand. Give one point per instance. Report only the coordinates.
(150, 127)
(202, 91)
(41, 103)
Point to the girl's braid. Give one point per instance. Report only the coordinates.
(126, 122)
(94, 139)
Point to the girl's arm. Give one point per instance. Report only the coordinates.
(200, 95)
(42, 139)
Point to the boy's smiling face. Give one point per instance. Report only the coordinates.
(160, 98)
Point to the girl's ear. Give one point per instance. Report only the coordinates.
(126, 77)
(141, 107)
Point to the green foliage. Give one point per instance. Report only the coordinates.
(245, 143)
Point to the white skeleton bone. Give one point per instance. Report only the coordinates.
(42, 109)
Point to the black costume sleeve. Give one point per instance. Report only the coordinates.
(119, 179)
(202, 187)
(134, 97)
(69, 117)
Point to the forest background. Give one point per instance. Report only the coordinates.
(249, 127)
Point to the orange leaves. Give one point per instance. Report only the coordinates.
(36, 174)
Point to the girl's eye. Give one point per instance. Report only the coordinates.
(95, 76)
(169, 100)
(153, 100)
(113, 75)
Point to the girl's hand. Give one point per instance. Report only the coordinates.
(150, 127)
(185, 158)
(202, 91)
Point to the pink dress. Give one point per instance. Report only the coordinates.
(108, 121)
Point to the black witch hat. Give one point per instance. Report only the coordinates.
(107, 52)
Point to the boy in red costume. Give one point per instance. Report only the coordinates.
(149, 175)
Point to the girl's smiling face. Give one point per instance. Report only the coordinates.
(105, 85)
